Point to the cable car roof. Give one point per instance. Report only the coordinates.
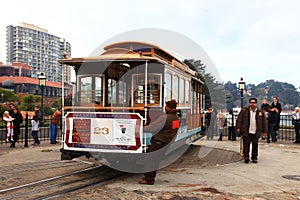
(132, 51)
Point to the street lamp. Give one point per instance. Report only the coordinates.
(42, 83)
(242, 88)
(2, 98)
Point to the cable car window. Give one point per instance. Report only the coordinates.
(139, 89)
(98, 90)
(152, 89)
(90, 90)
(122, 92)
(187, 92)
(168, 86)
(175, 88)
(112, 91)
(85, 93)
(181, 91)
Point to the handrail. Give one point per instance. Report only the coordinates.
(96, 107)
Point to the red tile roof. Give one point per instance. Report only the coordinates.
(29, 80)
(23, 65)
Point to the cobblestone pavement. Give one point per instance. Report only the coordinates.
(209, 170)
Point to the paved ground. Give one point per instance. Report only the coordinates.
(263, 180)
(21, 154)
(211, 170)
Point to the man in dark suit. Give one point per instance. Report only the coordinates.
(276, 104)
(250, 124)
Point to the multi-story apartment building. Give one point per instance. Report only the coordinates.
(34, 46)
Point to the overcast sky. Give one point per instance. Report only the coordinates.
(257, 40)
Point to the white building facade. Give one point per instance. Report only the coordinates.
(34, 46)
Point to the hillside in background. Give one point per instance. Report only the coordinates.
(286, 93)
(228, 95)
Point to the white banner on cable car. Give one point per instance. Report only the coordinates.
(103, 131)
(107, 132)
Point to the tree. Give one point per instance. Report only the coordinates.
(28, 102)
(286, 93)
(214, 92)
(8, 96)
(57, 103)
(232, 94)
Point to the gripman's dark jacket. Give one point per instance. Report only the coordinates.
(165, 127)
(243, 122)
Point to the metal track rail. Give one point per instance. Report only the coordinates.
(61, 185)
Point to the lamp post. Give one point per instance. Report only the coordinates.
(242, 88)
(42, 83)
(2, 98)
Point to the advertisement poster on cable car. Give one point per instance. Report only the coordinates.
(124, 131)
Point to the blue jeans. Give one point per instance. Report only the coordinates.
(35, 137)
(53, 132)
(271, 132)
(220, 134)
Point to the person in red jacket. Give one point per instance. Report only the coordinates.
(164, 129)
(55, 119)
(250, 124)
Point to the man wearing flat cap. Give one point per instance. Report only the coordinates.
(250, 124)
(164, 130)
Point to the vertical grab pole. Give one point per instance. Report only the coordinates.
(63, 103)
(145, 98)
(26, 130)
(146, 83)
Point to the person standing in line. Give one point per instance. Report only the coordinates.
(165, 129)
(231, 126)
(15, 113)
(296, 123)
(55, 119)
(250, 124)
(210, 123)
(272, 120)
(207, 122)
(9, 126)
(264, 106)
(220, 124)
(35, 124)
(276, 104)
